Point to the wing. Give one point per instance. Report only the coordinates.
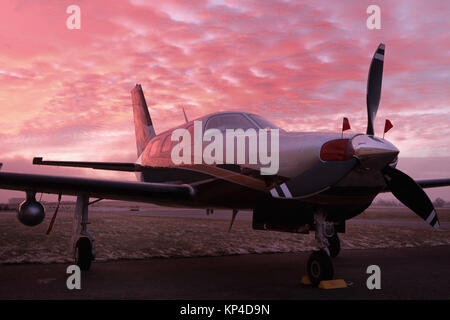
(433, 183)
(164, 173)
(106, 189)
(428, 183)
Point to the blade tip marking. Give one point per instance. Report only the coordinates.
(379, 56)
(431, 216)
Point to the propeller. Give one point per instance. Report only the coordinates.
(324, 174)
(374, 87)
(370, 151)
(405, 189)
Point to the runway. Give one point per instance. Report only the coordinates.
(407, 273)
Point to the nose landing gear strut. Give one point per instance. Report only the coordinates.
(319, 265)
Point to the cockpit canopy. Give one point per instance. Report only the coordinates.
(238, 120)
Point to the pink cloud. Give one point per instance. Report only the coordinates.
(65, 93)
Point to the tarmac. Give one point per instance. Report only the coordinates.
(406, 273)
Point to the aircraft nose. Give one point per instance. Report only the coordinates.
(374, 152)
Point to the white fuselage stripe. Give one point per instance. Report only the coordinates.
(286, 191)
(274, 193)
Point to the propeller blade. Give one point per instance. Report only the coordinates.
(374, 87)
(317, 179)
(405, 189)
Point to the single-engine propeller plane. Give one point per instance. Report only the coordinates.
(323, 179)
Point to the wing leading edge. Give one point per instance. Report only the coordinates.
(433, 183)
(429, 183)
(98, 188)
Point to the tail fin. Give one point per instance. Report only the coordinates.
(143, 126)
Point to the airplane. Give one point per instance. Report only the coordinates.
(323, 180)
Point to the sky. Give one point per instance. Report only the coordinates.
(65, 94)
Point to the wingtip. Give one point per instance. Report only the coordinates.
(37, 160)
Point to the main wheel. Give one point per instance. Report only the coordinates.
(83, 254)
(319, 267)
(335, 245)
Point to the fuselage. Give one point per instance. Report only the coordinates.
(243, 186)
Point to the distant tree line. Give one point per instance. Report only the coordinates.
(5, 206)
(438, 203)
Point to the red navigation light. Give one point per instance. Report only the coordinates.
(336, 150)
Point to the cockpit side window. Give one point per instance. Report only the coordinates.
(229, 121)
(167, 144)
(155, 147)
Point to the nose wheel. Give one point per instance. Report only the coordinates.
(319, 267)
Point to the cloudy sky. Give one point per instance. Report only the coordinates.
(65, 94)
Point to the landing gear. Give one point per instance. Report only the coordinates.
(334, 245)
(319, 267)
(83, 253)
(83, 242)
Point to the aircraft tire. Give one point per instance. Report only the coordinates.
(319, 267)
(83, 253)
(335, 245)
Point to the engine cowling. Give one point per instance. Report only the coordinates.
(31, 213)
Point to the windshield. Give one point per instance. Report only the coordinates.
(229, 121)
(263, 123)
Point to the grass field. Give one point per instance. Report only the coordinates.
(123, 234)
